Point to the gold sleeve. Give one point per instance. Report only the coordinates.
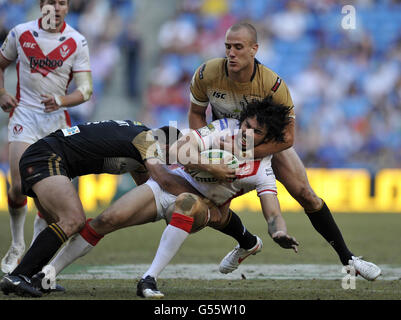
(281, 95)
(147, 146)
(198, 87)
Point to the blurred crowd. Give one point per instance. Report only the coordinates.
(345, 83)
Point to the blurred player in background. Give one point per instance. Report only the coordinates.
(49, 54)
(228, 84)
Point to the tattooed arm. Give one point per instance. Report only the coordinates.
(276, 225)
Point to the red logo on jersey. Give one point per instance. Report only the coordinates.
(247, 169)
(41, 63)
(64, 51)
(17, 129)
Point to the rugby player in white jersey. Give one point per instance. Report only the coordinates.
(48, 54)
(189, 212)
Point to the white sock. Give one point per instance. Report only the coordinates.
(17, 221)
(76, 247)
(171, 240)
(39, 225)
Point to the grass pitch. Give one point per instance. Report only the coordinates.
(375, 236)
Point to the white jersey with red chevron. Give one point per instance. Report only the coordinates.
(252, 175)
(45, 61)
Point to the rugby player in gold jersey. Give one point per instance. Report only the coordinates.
(228, 84)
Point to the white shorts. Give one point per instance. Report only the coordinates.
(29, 126)
(164, 200)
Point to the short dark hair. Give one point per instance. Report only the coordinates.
(249, 27)
(168, 135)
(274, 116)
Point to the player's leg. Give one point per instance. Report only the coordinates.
(190, 214)
(136, 207)
(44, 125)
(41, 221)
(253, 245)
(39, 224)
(59, 198)
(234, 228)
(17, 207)
(231, 225)
(290, 171)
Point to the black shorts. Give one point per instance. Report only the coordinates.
(38, 162)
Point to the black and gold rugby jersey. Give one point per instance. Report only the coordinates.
(211, 84)
(101, 147)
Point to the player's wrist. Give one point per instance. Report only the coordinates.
(278, 233)
(59, 100)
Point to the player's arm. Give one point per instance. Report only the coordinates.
(196, 116)
(272, 147)
(140, 175)
(276, 225)
(82, 93)
(199, 98)
(186, 151)
(168, 181)
(280, 95)
(151, 154)
(7, 101)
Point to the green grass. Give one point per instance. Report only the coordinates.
(375, 236)
(184, 289)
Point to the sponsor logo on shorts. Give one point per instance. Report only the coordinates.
(70, 131)
(17, 129)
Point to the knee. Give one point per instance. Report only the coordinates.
(185, 202)
(106, 222)
(192, 206)
(218, 220)
(307, 198)
(73, 224)
(15, 191)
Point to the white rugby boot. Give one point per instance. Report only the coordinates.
(233, 259)
(365, 269)
(12, 257)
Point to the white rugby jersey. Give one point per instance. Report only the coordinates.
(45, 60)
(256, 174)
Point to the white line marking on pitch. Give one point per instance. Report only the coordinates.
(211, 272)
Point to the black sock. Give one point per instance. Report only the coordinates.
(324, 223)
(42, 250)
(237, 230)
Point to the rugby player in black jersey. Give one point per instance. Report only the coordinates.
(48, 165)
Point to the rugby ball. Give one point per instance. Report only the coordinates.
(215, 156)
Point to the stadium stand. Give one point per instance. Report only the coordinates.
(346, 84)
